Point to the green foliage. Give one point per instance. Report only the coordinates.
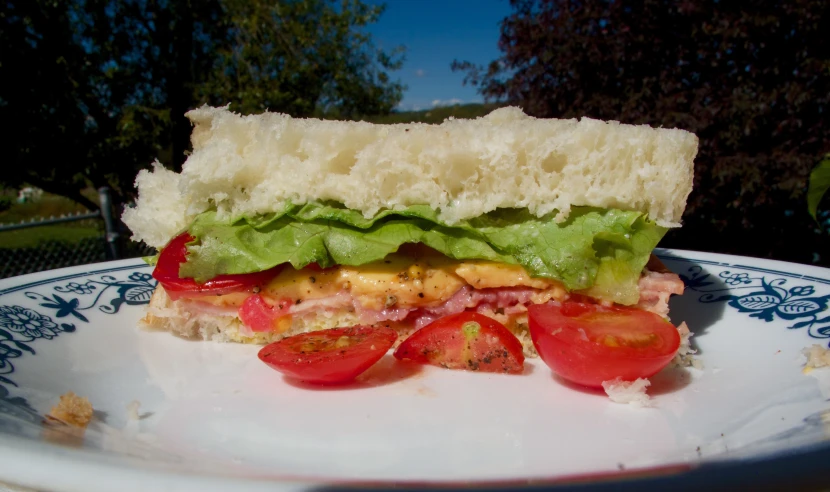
(304, 58)
(819, 184)
(751, 82)
(44, 80)
(36, 236)
(47, 205)
(94, 90)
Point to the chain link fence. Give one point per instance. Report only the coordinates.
(57, 254)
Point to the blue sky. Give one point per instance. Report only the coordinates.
(435, 33)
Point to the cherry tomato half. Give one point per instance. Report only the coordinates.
(175, 253)
(330, 356)
(588, 343)
(465, 340)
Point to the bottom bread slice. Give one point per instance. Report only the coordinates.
(190, 320)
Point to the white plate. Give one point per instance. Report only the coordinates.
(214, 418)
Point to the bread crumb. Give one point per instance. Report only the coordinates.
(631, 392)
(684, 357)
(132, 410)
(817, 356)
(72, 410)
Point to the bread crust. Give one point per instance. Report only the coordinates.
(249, 165)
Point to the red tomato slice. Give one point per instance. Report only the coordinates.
(259, 315)
(330, 356)
(588, 343)
(465, 340)
(175, 253)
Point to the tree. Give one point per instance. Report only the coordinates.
(304, 58)
(93, 90)
(43, 80)
(752, 80)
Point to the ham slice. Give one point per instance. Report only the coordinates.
(507, 298)
(655, 290)
(344, 300)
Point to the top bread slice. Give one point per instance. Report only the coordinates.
(250, 165)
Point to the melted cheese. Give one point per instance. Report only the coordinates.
(306, 284)
(399, 281)
(234, 299)
(486, 275)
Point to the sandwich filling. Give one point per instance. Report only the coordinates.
(596, 252)
(409, 268)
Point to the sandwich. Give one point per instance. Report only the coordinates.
(278, 226)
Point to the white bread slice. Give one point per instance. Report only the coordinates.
(248, 165)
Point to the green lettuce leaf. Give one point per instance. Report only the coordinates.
(601, 252)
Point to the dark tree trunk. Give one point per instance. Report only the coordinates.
(181, 83)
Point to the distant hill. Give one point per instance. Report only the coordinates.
(436, 115)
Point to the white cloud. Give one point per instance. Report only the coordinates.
(447, 102)
(408, 107)
(420, 72)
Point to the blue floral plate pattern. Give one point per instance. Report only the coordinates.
(212, 417)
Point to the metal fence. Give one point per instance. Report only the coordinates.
(58, 254)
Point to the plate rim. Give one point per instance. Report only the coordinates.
(77, 467)
(808, 458)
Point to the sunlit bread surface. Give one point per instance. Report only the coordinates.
(248, 165)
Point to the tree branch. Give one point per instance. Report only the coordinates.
(62, 190)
